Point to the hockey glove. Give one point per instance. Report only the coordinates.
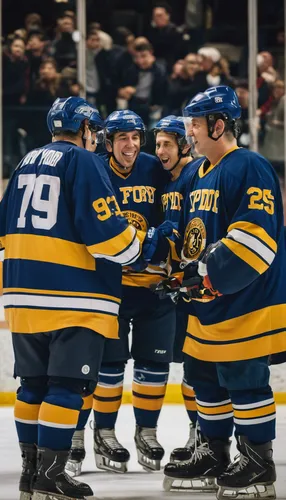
(167, 288)
(156, 246)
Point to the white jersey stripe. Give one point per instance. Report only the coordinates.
(55, 302)
(253, 243)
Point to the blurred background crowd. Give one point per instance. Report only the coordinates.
(148, 55)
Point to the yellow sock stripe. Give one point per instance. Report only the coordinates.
(246, 255)
(26, 411)
(87, 402)
(187, 391)
(147, 404)
(215, 410)
(255, 412)
(149, 390)
(108, 392)
(106, 406)
(53, 414)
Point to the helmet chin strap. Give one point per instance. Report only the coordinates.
(119, 164)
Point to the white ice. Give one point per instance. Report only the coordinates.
(135, 484)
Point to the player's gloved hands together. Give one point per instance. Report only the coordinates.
(195, 284)
(167, 288)
(156, 246)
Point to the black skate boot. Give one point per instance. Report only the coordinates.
(108, 452)
(29, 461)
(252, 473)
(52, 482)
(209, 460)
(149, 451)
(183, 454)
(77, 454)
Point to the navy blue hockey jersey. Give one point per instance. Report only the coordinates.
(65, 242)
(238, 202)
(138, 196)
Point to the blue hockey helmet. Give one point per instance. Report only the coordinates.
(67, 114)
(171, 124)
(220, 99)
(215, 102)
(125, 121)
(95, 121)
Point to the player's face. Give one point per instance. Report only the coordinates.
(197, 131)
(167, 149)
(126, 147)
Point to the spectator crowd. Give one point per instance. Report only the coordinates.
(153, 74)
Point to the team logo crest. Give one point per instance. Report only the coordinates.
(137, 220)
(195, 239)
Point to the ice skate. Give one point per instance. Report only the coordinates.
(52, 482)
(208, 461)
(108, 452)
(77, 454)
(183, 454)
(29, 460)
(149, 451)
(251, 475)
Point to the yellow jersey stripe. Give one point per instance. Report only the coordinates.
(47, 249)
(256, 412)
(246, 255)
(174, 256)
(255, 230)
(232, 352)
(115, 245)
(270, 318)
(61, 293)
(42, 320)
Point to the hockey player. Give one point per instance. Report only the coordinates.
(64, 246)
(137, 179)
(235, 278)
(174, 153)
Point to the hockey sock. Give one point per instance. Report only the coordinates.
(254, 414)
(26, 412)
(215, 412)
(107, 396)
(58, 418)
(148, 391)
(84, 412)
(189, 399)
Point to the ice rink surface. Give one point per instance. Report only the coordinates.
(135, 484)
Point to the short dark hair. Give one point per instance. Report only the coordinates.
(163, 5)
(143, 46)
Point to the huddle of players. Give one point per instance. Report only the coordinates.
(224, 397)
(221, 216)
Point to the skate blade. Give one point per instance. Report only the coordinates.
(73, 468)
(25, 496)
(204, 485)
(148, 464)
(262, 491)
(38, 495)
(105, 463)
